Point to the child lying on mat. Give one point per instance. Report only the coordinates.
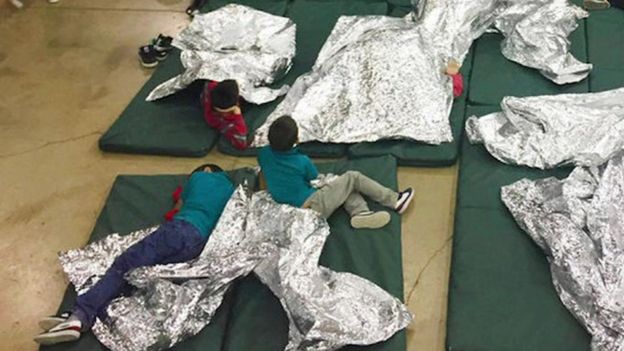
(452, 70)
(287, 174)
(181, 239)
(222, 111)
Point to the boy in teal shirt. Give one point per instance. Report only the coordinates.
(288, 173)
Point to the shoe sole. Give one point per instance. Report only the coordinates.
(57, 337)
(18, 4)
(406, 203)
(596, 6)
(148, 65)
(372, 221)
(50, 322)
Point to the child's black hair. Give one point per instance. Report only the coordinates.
(283, 133)
(225, 94)
(214, 168)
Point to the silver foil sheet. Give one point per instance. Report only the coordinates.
(326, 310)
(549, 131)
(578, 223)
(536, 35)
(281, 244)
(235, 42)
(379, 77)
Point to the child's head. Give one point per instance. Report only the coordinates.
(208, 167)
(283, 133)
(225, 95)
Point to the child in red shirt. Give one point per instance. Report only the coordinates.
(222, 111)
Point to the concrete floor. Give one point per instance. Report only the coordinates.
(66, 72)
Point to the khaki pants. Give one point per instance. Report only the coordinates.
(348, 189)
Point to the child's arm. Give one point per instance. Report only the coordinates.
(213, 120)
(237, 134)
(177, 199)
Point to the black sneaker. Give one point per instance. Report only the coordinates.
(192, 12)
(62, 332)
(47, 323)
(162, 45)
(405, 197)
(194, 8)
(148, 56)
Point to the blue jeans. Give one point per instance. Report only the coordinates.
(173, 242)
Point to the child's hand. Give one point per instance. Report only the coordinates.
(452, 68)
(236, 110)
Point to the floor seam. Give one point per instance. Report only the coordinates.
(104, 9)
(50, 143)
(431, 258)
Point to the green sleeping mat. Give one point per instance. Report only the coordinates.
(494, 77)
(275, 7)
(400, 3)
(136, 202)
(315, 20)
(257, 321)
(605, 47)
(398, 11)
(415, 154)
(501, 297)
(172, 126)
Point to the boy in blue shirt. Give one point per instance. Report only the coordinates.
(288, 173)
(181, 239)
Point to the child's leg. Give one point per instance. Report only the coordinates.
(175, 241)
(346, 189)
(365, 186)
(355, 204)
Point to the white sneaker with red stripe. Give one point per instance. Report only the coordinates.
(47, 323)
(68, 330)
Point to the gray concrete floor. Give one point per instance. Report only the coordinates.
(66, 73)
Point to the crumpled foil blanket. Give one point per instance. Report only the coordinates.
(536, 35)
(235, 42)
(282, 244)
(553, 130)
(379, 77)
(578, 223)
